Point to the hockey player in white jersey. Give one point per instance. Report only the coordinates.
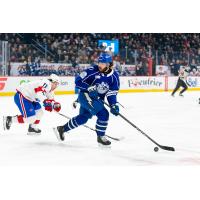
(28, 98)
(182, 81)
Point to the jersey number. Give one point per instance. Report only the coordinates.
(44, 85)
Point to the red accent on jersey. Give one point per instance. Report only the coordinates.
(39, 89)
(23, 95)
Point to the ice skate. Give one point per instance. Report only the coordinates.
(103, 141)
(59, 132)
(181, 95)
(33, 131)
(7, 121)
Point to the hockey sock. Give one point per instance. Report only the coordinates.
(71, 124)
(75, 122)
(37, 121)
(35, 124)
(18, 119)
(181, 92)
(101, 127)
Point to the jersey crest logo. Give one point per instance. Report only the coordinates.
(102, 88)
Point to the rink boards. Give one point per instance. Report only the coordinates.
(8, 85)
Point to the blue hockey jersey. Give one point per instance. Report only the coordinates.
(107, 84)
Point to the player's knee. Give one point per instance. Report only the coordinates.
(103, 115)
(84, 120)
(81, 119)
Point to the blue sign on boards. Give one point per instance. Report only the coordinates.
(112, 45)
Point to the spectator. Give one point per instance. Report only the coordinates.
(165, 49)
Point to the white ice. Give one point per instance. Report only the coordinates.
(171, 121)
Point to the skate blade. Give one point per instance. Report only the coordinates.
(57, 134)
(104, 146)
(4, 123)
(33, 134)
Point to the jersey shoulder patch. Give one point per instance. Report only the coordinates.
(83, 74)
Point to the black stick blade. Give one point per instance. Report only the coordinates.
(167, 148)
(116, 139)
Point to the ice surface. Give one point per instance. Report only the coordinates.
(171, 121)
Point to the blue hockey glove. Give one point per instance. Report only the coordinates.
(93, 92)
(114, 109)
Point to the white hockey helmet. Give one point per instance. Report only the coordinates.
(54, 78)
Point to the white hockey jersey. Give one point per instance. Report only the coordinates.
(183, 73)
(36, 90)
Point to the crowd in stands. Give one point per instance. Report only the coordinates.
(42, 69)
(170, 49)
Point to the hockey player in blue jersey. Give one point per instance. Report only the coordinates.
(95, 84)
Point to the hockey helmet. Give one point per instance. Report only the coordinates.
(105, 58)
(54, 78)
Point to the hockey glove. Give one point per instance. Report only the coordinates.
(114, 109)
(50, 104)
(75, 103)
(57, 106)
(93, 92)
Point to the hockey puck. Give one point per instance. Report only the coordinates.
(156, 149)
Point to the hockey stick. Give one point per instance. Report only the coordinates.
(113, 138)
(121, 105)
(161, 146)
(74, 104)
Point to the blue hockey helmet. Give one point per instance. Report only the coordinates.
(105, 58)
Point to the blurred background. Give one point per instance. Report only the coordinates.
(67, 54)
